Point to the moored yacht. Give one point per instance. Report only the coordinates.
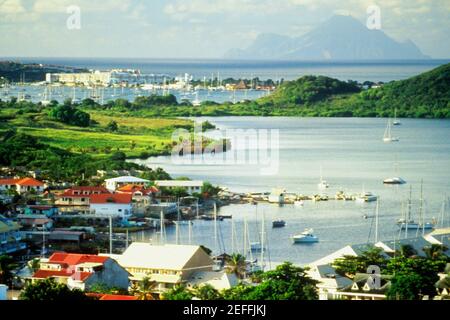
(395, 180)
(279, 224)
(366, 197)
(306, 236)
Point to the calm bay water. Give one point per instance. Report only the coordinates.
(353, 158)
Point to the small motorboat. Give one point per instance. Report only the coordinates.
(299, 203)
(394, 181)
(306, 237)
(366, 197)
(279, 224)
(255, 247)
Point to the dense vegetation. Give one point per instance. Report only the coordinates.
(286, 282)
(50, 290)
(69, 114)
(423, 96)
(413, 276)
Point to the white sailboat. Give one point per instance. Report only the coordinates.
(388, 134)
(322, 184)
(396, 122)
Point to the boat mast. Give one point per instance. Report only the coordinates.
(407, 220)
(215, 228)
(177, 227)
(162, 227)
(245, 237)
(376, 220)
(262, 242)
(421, 218)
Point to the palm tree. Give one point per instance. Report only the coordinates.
(144, 289)
(236, 264)
(435, 251)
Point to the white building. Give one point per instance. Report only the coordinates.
(190, 186)
(117, 183)
(111, 205)
(167, 265)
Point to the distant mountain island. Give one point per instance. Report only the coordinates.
(339, 38)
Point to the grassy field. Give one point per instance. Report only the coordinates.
(136, 137)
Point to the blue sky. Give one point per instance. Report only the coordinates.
(199, 28)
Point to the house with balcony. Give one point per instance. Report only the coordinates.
(79, 271)
(10, 237)
(190, 187)
(167, 265)
(21, 186)
(111, 205)
(79, 196)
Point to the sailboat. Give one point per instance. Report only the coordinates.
(396, 122)
(395, 180)
(322, 184)
(196, 102)
(388, 134)
(407, 223)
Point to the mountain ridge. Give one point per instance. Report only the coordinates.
(339, 38)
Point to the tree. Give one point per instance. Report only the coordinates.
(286, 282)
(237, 265)
(207, 293)
(50, 290)
(179, 292)
(208, 190)
(435, 251)
(351, 265)
(144, 289)
(405, 287)
(112, 126)
(6, 266)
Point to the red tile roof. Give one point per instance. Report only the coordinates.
(68, 262)
(44, 274)
(131, 188)
(110, 297)
(30, 182)
(74, 259)
(8, 182)
(111, 198)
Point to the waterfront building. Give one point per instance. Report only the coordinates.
(79, 196)
(167, 265)
(330, 282)
(79, 271)
(361, 290)
(111, 205)
(22, 186)
(116, 183)
(10, 236)
(139, 193)
(219, 280)
(190, 187)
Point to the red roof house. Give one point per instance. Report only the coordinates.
(82, 271)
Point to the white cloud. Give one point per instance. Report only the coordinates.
(11, 7)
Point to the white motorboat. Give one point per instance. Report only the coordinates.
(367, 197)
(395, 180)
(299, 203)
(306, 237)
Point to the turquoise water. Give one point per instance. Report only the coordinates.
(353, 157)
